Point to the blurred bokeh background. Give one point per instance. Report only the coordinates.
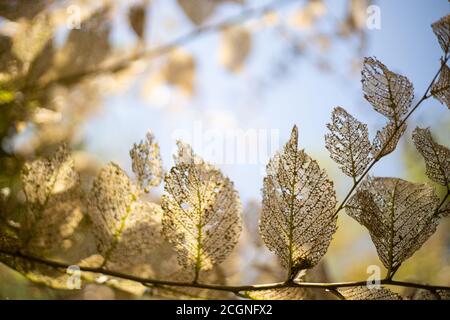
(100, 74)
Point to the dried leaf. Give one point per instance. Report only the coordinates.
(445, 211)
(386, 139)
(198, 11)
(201, 212)
(437, 157)
(364, 293)
(422, 294)
(235, 47)
(146, 162)
(125, 228)
(441, 29)
(136, 18)
(389, 93)
(54, 202)
(32, 37)
(297, 220)
(399, 215)
(348, 142)
(281, 294)
(15, 9)
(87, 47)
(179, 71)
(441, 88)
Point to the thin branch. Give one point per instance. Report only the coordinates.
(425, 96)
(122, 64)
(237, 290)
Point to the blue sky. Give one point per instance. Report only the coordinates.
(254, 99)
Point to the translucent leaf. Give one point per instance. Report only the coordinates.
(201, 212)
(146, 162)
(356, 17)
(441, 88)
(198, 11)
(235, 47)
(348, 142)
(422, 294)
(386, 139)
(54, 202)
(389, 93)
(306, 16)
(297, 220)
(179, 71)
(445, 211)
(136, 18)
(437, 157)
(364, 293)
(125, 228)
(281, 294)
(14, 9)
(441, 29)
(399, 215)
(87, 47)
(32, 37)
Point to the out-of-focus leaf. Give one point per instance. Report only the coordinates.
(389, 93)
(306, 16)
(198, 11)
(399, 215)
(235, 47)
(146, 162)
(14, 9)
(356, 17)
(136, 18)
(348, 142)
(87, 47)
(437, 157)
(6, 96)
(32, 37)
(179, 71)
(41, 64)
(432, 295)
(202, 212)
(54, 202)
(364, 293)
(441, 88)
(297, 220)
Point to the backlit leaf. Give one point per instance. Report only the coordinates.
(441, 88)
(389, 93)
(399, 215)
(441, 29)
(146, 162)
(297, 220)
(437, 157)
(348, 142)
(202, 212)
(386, 139)
(364, 293)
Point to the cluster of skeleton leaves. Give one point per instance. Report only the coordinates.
(198, 219)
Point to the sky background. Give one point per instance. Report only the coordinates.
(261, 96)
